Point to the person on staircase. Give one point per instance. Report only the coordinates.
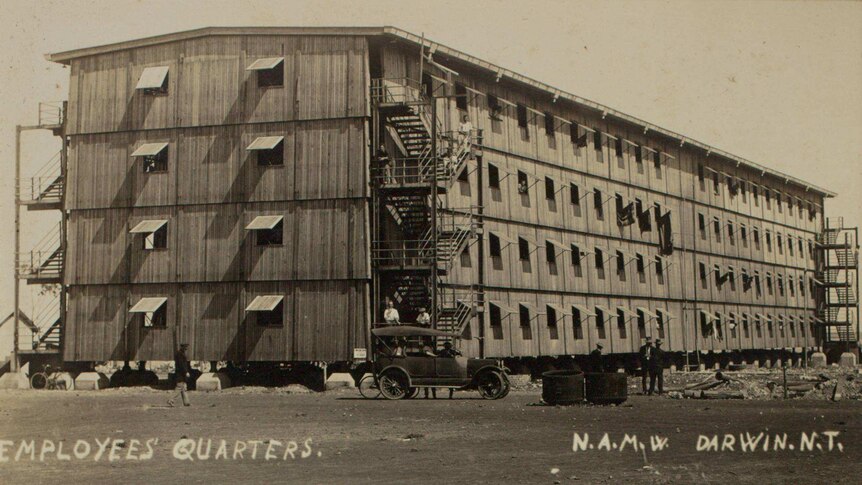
(423, 319)
(385, 162)
(390, 315)
(465, 132)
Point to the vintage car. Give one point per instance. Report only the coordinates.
(401, 368)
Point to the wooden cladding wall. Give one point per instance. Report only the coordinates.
(323, 239)
(322, 320)
(322, 159)
(208, 84)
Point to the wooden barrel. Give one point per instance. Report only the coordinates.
(606, 388)
(563, 387)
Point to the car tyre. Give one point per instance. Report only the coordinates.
(492, 385)
(393, 385)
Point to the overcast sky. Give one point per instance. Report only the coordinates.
(778, 83)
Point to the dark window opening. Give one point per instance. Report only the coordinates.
(522, 115)
(496, 321)
(641, 325)
(701, 226)
(157, 239)
(600, 264)
(659, 270)
(660, 321)
(158, 318)
(493, 176)
(716, 227)
(523, 249)
(656, 160)
(267, 78)
(577, 323)
(576, 261)
(494, 243)
(621, 322)
(700, 177)
(494, 108)
(618, 148)
(716, 184)
(575, 195)
(579, 135)
(274, 318)
(271, 237)
(156, 163)
(597, 202)
(552, 322)
(550, 191)
(621, 266)
(600, 323)
(461, 97)
(273, 157)
(702, 274)
(597, 145)
(549, 124)
(550, 253)
(523, 186)
(524, 314)
(639, 266)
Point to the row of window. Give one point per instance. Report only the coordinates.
(269, 71)
(751, 281)
(712, 325)
(267, 310)
(738, 186)
(498, 241)
(269, 151)
(795, 245)
(268, 231)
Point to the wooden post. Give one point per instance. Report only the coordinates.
(14, 365)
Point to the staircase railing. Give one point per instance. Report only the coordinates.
(45, 259)
(52, 113)
(47, 320)
(396, 90)
(402, 253)
(46, 185)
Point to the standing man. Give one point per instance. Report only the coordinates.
(465, 131)
(182, 370)
(596, 359)
(423, 319)
(390, 315)
(657, 369)
(646, 353)
(385, 162)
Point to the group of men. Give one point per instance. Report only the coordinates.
(651, 358)
(392, 317)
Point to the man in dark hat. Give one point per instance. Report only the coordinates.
(646, 354)
(182, 370)
(596, 359)
(656, 371)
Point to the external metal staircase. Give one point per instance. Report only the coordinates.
(837, 272)
(44, 263)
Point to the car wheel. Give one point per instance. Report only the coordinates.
(506, 386)
(368, 388)
(393, 385)
(491, 385)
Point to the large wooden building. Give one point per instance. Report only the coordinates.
(226, 187)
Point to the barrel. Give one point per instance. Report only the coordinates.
(606, 387)
(563, 387)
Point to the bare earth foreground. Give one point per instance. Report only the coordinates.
(465, 440)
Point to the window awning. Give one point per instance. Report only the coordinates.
(607, 311)
(265, 64)
(666, 315)
(264, 303)
(531, 307)
(265, 143)
(264, 222)
(709, 316)
(561, 311)
(148, 226)
(558, 244)
(627, 311)
(152, 77)
(647, 312)
(148, 305)
(149, 149)
(584, 310)
(502, 236)
(505, 309)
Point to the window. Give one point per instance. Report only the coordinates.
(639, 266)
(621, 265)
(701, 226)
(743, 234)
(493, 176)
(551, 315)
(731, 278)
(801, 286)
(700, 177)
(742, 191)
(600, 264)
(769, 283)
(523, 185)
(778, 243)
(769, 326)
(155, 156)
(524, 314)
(153, 310)
(494, 107)
(550, 252)
(656, 160)
(768, 242)
(661, 319)
(639, 158)
(755, 195)
(269, 150)
(716, 228)
(550, 191)
(621, 322)
(600, 323)
(575, 195)
(496, 321)
(757, 288)
(791, 286)
(702, 274)
(801, 248)
(576, 261)
(155, 234)
(577, 323)
(270, 71)
(153, 81)
(716, 187)
(659, 270)
(461, 96)
(618, 150)
(810, 249)
(719, 326)
(641, 324)
(268, 310)
(578, 135)
(756, 233)
(792, 324)
(778, 201)
(790, 245)
(718, 279)
(780, 284)
(799, 208)
(549, 124)
(758, 327)
(269, 230)
(273, 318)
(597, 203)
(522, 115)
(494, 245)
(768, 198)
(523, 249)
(730, 233)
(597, 145)
(746, 332)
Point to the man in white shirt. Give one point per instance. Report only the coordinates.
(424, 319)
(465, 130)
(390, 315)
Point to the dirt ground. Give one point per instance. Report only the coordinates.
(464, 440)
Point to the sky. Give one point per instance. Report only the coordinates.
(775, 82)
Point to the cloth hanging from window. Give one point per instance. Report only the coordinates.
(626, 215)
(665, 234)
(644, 221)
